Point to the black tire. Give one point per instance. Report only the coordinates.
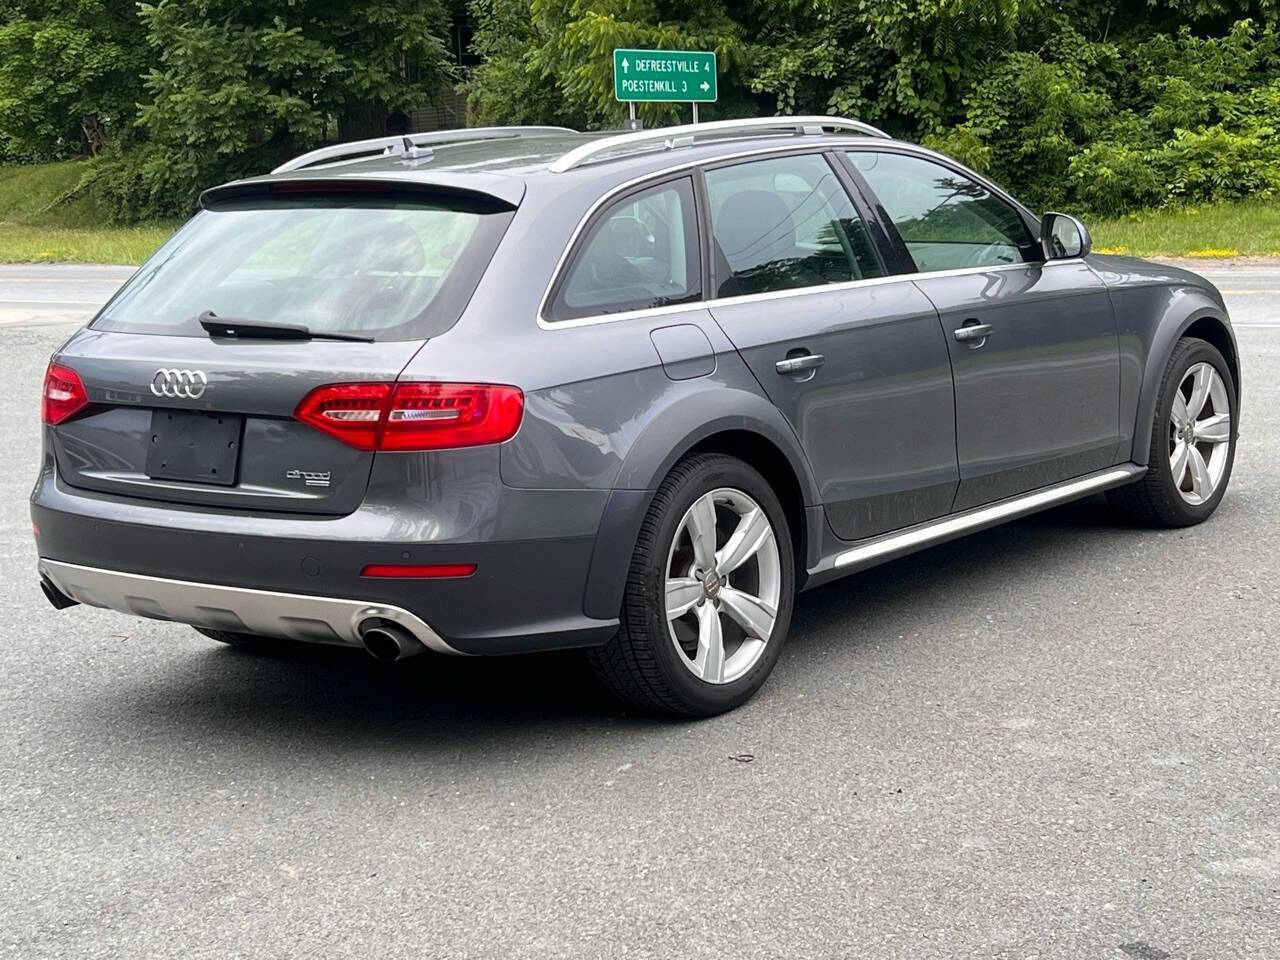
(1154, 499)
(641, 664)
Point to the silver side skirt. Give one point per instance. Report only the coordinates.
(947, 528)
(293, 616)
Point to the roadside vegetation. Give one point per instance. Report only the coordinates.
(1224, 231)
(1108, 109)
(49, 213)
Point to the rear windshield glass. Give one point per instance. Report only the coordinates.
(390, 269)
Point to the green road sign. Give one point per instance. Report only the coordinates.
(665, 75)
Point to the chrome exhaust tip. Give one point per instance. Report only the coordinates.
(388, 641)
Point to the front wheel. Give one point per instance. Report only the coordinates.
(1193, 441)
(709, 593)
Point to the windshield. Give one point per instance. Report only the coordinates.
(389, 269)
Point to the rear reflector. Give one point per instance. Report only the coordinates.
(414, 416)
(421, 571)
(64, 395)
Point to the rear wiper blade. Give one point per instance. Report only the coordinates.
(242, 329)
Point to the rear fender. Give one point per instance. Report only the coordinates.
(685, 424)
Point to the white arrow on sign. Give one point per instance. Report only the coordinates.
(705, 86)
(625, 66)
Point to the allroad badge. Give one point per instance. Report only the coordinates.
(179, 384)
(312, 478)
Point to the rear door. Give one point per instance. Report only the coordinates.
(853, 358)
(1033, 345)
(183, 416)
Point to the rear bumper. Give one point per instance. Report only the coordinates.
(292, 616)
(301, 577)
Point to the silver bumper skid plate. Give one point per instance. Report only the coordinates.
(293, 616)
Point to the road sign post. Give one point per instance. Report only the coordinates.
(665, 76)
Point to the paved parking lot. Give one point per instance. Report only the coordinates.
(1056, 739)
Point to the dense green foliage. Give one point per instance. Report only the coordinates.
(1097, 105)
(238, 85)
(194, 92)
(70, 72)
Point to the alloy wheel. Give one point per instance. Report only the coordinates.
(723, 585)
(1199, 433)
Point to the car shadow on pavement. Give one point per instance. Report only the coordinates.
(342, 696)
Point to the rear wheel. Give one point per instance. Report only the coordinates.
(1193, 441)
(709, 593)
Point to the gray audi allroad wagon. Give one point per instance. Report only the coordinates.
(512, 389)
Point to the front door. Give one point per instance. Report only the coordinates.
(1033, 345)
(855, 360)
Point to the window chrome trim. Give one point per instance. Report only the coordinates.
(706, 304)
(792, 292)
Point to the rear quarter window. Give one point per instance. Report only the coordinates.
(641, 252)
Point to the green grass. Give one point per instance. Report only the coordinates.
(125, 245)
(45, 215)
(1249, 228)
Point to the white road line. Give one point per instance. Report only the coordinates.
(57, 279)
(50, 303)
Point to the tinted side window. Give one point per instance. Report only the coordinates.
(643, 252)
(785, 223)
(946, 220)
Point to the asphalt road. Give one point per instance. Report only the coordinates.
(1056, 739)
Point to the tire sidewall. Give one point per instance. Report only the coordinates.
(1190, 352)
(698, 695)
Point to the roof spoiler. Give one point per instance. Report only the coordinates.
(488, 193)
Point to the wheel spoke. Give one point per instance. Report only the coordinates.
(682, 593)
(1215, 429)
(1180, 418)
(751, 613)
(748, 537)
(1178, 462)
(1202, 377)
(702, 531)
(709, 663)
(1201, 482)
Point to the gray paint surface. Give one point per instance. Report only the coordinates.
(900, 426)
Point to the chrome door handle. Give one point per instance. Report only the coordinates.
(807, 361)
(973, 331)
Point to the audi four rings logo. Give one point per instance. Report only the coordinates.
(180, 384)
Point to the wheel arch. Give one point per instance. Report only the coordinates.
(730, 421)
(1206, 322)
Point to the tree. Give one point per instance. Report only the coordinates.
(903, 64)
(70, 75)
(238, 85)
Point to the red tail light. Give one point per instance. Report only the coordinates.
(64, 394)
(352, 412)
(414, 416)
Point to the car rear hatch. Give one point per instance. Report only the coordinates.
(194, 374)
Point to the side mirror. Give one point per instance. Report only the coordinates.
(1063, 237)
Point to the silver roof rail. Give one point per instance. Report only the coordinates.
(405, 144)
(683, 136)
